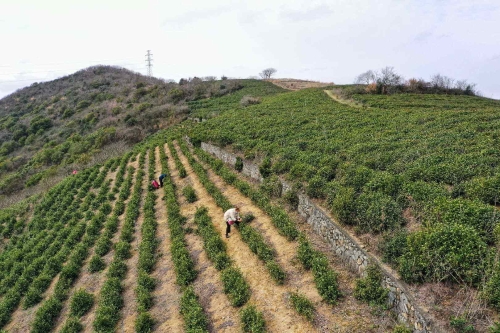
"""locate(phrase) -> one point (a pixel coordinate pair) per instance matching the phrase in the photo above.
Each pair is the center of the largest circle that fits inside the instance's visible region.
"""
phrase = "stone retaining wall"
(345, 246)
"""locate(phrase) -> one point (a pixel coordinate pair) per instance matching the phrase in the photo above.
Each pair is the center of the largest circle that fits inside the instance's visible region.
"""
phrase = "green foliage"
(46, 316)
(393, 246)
(252, 320)
(265, 167)
(212, 242)
(276, 271)
(491, 290)
(81, 302)
(190, 194)
(303, 306)
(235, 286)
(482, 217)
(401, 329)
(377, 212)
(72, 325)
(324, 278)
(144, 323)
(96, 264)
(195, 319)
(238, 166)
(444, 252)
(495, 328)
(461, 325)
(369, 289)
(272, 186)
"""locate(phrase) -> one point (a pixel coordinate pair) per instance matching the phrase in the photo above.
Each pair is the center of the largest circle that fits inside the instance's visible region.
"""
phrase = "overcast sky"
(316, 40)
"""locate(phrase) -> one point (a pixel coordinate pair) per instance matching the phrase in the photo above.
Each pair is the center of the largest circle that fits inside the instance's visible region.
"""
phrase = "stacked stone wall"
(343, 245)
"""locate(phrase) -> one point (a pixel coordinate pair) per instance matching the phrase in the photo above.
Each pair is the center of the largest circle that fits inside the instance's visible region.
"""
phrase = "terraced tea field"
(104, 252)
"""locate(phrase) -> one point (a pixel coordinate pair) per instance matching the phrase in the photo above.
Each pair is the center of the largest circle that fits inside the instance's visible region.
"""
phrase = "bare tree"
(367, 77)
(441, 81)
(388, 77)
(267, 73)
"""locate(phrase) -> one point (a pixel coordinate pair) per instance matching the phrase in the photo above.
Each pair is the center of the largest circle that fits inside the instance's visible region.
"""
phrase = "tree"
(267, 73)
(367, 77)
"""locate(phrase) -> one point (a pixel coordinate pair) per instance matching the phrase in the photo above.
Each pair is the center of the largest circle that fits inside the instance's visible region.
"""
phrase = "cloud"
(314, 13)
(193, 16)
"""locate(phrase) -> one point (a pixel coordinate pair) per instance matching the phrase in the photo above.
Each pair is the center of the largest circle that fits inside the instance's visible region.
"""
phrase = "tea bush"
(252, 320)
(235, 286)
(81, 302)
(190, 194)
(195, 319)
(302, 305)
(444, 252)
(369, 289)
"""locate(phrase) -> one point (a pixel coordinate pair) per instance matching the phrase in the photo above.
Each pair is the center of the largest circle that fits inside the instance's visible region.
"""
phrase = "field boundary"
(400, 300)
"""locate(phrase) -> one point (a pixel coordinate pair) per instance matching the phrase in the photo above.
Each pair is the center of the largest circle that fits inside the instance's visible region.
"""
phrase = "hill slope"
(415, 176)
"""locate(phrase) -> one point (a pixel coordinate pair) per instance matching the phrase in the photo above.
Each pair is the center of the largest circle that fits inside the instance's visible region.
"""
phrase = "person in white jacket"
(231, 216)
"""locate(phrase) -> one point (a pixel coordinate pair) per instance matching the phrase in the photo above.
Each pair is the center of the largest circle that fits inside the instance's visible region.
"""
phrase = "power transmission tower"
(149, 62)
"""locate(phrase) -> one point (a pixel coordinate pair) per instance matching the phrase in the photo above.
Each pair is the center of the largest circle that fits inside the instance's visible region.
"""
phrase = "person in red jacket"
(155, 184)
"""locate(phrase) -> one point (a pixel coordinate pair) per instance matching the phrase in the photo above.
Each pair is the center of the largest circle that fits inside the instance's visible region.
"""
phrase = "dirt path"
(167, 293)
(343, 317)
(269, 298)
(129, 311)
(208, 285)
(335, 95)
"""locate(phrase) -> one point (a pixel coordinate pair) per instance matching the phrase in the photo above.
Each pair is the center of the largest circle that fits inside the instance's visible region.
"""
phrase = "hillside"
(415, 178)
(49, 129)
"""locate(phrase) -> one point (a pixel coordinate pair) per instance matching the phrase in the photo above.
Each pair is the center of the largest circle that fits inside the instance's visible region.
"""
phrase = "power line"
(149, 64)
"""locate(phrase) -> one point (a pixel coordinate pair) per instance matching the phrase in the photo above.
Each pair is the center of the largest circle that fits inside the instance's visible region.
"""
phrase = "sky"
(328, 41)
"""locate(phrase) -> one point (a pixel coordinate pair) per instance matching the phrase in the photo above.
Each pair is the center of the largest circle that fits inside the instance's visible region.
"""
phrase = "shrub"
(343, 206)
(481, 216)
(190, 308)
(393, 246)
(249, 100)
(81, 302)
(303, 306)
(401, 329)
(72, 325)
(377, 212)
(265, 167)
(292, 198)
(325, 279)
(276, 272)
(235, 286)
(272, 186)
(492, 288)
(252, 320)
(190, 194)
(46, 316)
(444, 252)
(369, 289)
(238, 166)
(144, 323)
(96, 264)
(495, 328)
(461, 325)
(316, 187)
(247, 218)
(122, 250)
